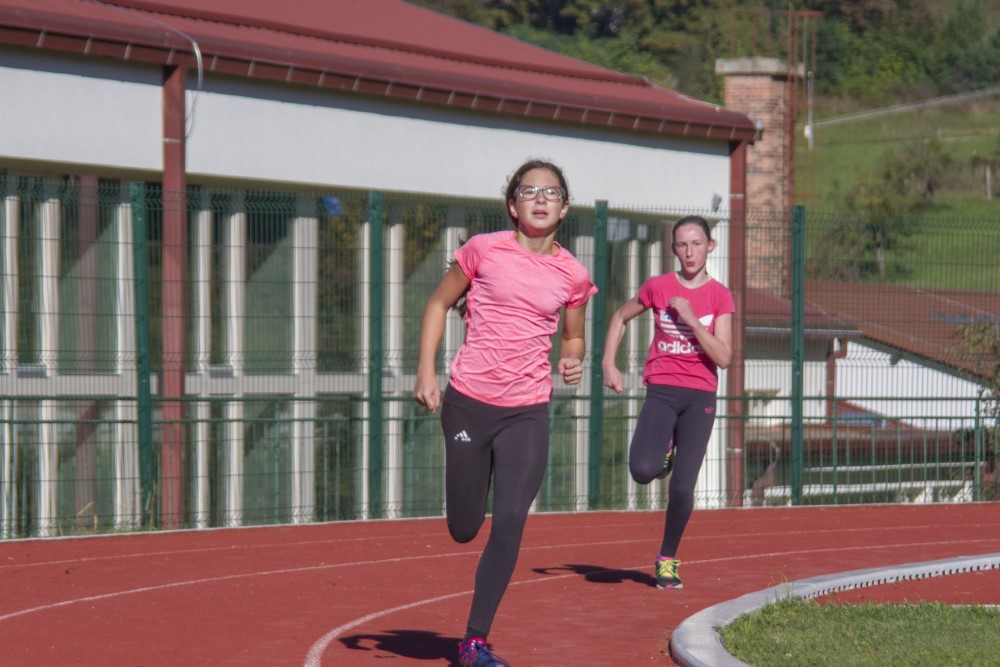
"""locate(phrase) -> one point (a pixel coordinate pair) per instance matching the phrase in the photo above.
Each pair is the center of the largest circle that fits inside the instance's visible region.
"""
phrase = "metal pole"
(598, 326)
(977, 449)
(736, 375)
(143, 396)
(376, 288)
(798, 347)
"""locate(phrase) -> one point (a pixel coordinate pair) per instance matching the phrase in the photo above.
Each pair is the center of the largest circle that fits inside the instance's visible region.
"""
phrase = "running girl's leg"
(694, 428)
(468, 460)
(520, 451)
(654, 427)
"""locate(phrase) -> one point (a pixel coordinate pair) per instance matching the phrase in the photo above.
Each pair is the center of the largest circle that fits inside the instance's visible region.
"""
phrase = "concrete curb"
(695, 642)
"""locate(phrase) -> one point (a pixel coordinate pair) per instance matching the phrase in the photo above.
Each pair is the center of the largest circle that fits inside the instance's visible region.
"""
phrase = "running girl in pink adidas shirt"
(692, 339)
(494, 412)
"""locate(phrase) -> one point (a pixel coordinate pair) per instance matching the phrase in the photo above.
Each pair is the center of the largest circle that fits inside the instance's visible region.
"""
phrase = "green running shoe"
(666, 573)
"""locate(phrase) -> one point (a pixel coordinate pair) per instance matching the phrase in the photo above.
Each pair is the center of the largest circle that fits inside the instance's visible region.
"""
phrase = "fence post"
(598, 325)
(144, 401)
(376, 286)
(798, 346)
(977, 448)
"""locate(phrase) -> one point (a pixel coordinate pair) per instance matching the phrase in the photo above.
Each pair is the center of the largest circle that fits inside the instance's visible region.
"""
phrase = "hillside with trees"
(873, 51)
(906, 103)
(927, 72)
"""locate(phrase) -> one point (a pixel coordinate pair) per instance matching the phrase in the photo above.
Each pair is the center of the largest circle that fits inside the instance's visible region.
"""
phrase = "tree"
(980, 345)
(875, 50)
(674, 43)
(884, 206)
(965, 54)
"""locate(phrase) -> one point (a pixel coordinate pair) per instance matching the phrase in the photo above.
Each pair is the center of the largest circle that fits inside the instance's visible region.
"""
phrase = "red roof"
(924, 322)
(372, 47)
(770, 313)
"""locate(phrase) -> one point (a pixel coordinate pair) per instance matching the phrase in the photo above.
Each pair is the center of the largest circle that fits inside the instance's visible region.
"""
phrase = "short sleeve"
(645, 295)
(726, 303)
(583, 289)
(469, 255)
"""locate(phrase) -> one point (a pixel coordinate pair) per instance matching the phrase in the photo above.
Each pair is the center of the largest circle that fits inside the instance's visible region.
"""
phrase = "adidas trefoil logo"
(462, 436)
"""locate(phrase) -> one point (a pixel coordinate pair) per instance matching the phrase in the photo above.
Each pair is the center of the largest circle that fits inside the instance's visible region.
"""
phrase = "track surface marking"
(397, 592)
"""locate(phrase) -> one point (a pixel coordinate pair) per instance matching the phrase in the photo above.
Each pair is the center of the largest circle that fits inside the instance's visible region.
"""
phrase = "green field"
(795, 632)
(957, 241)
(845, 152)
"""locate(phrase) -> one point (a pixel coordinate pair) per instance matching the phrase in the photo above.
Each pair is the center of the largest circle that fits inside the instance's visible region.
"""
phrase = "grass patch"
(844, 153)
(957, 241)
(795, 632)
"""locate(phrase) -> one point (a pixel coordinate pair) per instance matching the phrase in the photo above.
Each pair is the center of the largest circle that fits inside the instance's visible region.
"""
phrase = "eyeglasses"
(550, 192)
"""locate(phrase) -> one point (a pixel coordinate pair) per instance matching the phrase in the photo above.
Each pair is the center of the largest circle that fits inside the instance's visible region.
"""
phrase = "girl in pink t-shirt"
(494, 412)
(692, 339)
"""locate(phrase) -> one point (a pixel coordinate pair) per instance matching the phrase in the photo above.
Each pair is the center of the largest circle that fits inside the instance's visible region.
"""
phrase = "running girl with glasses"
(692, 339)
(494, 411)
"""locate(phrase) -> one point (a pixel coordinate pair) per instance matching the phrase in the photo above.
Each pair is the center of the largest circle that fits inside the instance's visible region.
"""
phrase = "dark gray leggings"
(513, 445)
(688, 415)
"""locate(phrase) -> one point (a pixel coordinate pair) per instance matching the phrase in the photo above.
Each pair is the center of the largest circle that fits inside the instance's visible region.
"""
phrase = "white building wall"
(107, 117)
(869, 373)
(773, 377)
(73, 112)
(110, 115)
(865, 377)
(321, 138)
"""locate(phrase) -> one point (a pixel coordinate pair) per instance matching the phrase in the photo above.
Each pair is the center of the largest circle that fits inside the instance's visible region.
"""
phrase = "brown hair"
(692, 220)
(515, 180)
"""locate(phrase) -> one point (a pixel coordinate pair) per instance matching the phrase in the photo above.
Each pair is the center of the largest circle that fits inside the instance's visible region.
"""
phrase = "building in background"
(260, 131)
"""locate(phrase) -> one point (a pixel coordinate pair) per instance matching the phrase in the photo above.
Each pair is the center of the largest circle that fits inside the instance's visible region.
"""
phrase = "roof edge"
(406, 85)
(165, 9)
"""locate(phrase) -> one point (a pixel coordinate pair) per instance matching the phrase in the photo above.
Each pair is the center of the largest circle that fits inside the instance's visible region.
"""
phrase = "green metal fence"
(260, 370)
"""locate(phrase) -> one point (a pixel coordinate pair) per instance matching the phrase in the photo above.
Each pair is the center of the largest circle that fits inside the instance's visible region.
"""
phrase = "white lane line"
(228, 577)
(369, 563)
(240, 547)
(315, 654)
(177, 552)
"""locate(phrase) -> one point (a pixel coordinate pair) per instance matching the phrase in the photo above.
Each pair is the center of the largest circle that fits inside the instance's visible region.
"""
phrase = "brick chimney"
(761, 88)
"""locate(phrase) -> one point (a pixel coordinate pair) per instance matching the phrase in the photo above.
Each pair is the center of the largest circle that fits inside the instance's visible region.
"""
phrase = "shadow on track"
(601, 575)
(415, 644)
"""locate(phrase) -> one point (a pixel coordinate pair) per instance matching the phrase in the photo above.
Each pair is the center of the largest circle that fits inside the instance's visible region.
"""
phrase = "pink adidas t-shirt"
(675, 356)
(513, 303)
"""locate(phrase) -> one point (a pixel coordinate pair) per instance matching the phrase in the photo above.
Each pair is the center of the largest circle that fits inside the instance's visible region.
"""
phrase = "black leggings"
(513, 445)
(688, 415)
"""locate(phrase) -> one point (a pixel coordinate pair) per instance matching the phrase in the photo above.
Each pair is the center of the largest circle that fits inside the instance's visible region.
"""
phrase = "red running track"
(397, 592)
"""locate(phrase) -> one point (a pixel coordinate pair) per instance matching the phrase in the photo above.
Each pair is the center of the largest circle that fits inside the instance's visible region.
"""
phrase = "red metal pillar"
(87, 349)
(174, 290)
(738, 285)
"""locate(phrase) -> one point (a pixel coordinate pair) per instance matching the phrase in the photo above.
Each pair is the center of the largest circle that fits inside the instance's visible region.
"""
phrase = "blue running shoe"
(475, 653)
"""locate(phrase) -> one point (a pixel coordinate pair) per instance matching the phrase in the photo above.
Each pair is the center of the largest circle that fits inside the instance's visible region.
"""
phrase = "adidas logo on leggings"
(462, 436)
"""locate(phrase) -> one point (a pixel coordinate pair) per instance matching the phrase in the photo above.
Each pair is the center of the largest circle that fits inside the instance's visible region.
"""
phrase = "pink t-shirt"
(513, 303)
(675, 356)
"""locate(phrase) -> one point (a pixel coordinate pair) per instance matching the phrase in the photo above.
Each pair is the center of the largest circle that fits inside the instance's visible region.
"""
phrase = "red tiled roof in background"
(375, 47)
(925, 322)
(767, 311)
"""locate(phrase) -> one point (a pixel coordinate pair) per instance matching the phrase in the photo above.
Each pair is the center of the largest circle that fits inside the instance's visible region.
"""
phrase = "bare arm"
(451, 288)
(616, 330)
(718, 347)
(573, 344)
